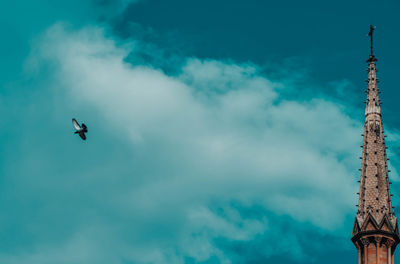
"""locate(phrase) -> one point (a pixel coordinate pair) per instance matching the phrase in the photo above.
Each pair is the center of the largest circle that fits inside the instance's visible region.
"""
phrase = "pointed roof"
(374, 205)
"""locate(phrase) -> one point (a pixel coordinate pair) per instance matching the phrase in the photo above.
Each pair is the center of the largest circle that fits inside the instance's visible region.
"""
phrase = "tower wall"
(376, 250)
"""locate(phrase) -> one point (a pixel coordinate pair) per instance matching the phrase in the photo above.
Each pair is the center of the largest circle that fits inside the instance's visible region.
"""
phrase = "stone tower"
(375, 231)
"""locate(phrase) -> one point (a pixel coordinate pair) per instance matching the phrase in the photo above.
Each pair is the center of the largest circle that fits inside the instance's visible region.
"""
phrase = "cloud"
(208, 165)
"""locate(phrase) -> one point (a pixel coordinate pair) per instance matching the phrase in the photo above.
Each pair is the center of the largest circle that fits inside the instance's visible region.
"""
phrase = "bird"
(81, 130)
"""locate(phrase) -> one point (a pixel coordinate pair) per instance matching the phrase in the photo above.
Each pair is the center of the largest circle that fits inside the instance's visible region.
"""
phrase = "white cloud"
(216, 134)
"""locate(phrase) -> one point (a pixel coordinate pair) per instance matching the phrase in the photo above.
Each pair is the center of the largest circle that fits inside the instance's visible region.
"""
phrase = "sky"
(219, 131)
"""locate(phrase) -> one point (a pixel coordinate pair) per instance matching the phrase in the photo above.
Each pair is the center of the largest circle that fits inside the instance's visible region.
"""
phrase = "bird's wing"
(84, 127)
(76, 124)
(82, 135)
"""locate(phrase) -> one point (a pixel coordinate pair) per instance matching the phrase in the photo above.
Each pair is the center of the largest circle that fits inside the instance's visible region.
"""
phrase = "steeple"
(375, 231)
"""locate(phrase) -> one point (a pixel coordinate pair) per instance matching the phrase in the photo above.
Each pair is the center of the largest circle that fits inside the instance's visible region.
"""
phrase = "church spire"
(375, 231)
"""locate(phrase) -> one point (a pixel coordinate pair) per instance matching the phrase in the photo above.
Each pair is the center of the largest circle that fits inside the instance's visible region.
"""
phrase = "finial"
(371, 35)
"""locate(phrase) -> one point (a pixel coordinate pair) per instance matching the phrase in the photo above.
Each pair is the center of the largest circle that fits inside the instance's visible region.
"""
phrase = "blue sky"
(219, 132)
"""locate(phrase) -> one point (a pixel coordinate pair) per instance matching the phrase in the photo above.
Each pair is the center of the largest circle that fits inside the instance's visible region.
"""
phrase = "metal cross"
(371, 34)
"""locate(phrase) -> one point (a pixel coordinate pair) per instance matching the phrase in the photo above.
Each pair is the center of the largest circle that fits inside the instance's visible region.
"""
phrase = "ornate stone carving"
(365, 241)
(375, 127)
(389, 243)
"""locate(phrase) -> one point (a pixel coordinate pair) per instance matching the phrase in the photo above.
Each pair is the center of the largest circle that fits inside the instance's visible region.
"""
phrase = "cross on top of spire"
(371, 35)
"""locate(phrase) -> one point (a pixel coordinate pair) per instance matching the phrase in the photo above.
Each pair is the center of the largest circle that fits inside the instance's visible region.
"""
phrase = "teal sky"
(219, 131)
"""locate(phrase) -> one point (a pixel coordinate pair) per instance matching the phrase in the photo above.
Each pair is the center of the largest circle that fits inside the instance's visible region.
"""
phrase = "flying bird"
(81, 130)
